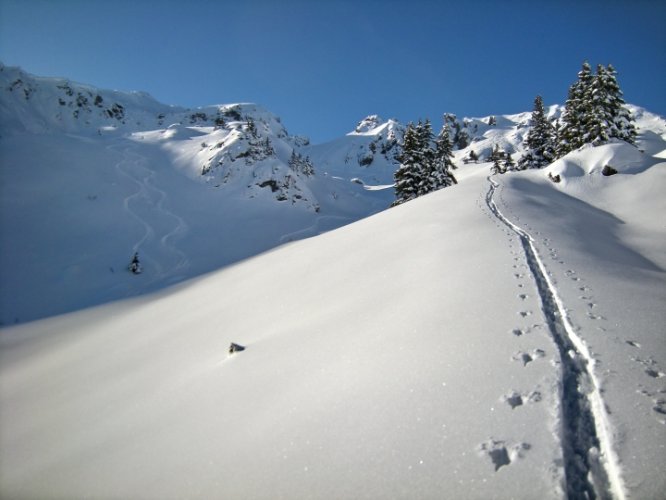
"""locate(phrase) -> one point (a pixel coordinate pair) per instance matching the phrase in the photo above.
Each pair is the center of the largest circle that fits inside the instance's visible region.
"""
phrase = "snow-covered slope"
(90, 176)
(434, 360)
(501, 338)
(368, 154)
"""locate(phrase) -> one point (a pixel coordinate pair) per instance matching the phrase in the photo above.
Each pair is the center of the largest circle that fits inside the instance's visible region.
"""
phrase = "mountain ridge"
(190, 190)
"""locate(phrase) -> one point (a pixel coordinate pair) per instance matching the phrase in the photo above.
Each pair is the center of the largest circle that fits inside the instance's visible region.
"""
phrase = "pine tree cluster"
(300, 164)
(594, 113)
(502, 161)
(425, 162)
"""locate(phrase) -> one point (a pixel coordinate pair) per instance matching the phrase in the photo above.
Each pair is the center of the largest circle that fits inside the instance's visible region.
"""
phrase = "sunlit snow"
(421, 352)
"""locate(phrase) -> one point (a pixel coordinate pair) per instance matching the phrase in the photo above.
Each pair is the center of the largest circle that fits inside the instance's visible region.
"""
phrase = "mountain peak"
(368, 125)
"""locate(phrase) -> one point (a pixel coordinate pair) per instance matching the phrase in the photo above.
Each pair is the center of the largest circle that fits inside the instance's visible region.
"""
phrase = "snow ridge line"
(591, 466)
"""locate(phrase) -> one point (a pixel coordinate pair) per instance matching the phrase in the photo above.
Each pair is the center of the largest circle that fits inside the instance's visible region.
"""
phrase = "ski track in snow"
(133, 166)
(590, 464)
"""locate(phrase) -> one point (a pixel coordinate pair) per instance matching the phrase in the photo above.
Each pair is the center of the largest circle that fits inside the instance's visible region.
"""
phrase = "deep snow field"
(433, 350)
(89, 177)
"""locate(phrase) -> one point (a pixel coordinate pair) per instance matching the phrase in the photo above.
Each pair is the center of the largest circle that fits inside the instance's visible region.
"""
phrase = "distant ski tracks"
(146, 206)
(590, 465)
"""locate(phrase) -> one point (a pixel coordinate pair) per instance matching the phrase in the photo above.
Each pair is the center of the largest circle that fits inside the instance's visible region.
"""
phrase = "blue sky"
(322, 65)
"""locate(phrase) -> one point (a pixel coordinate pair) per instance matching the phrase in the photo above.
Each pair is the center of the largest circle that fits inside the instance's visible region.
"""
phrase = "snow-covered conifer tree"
(496, 154)
(496, 157)
(471, 157)
(623, 124)
(607, 117)
(570, 134)
(423, 169)
(135, 265)
(443, 161)
(540, 142)
(301, 165)
(594, 112)
(426, 157)
(409, 174)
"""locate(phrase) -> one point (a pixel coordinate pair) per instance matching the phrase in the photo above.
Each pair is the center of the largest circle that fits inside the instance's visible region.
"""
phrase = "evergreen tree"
(301, 165)
(308, 167)
(623, 126)
(496, 157)
(607, 117)
(423, 169)
(135, 265)
(540, 142)
(427, 157)
(496, 154)
(471, 157)
(408, 176)
(293, 160)
(594, 112)
(497, 167)
(570, 134)
(251, 127)
(443, 161)
(509, 164)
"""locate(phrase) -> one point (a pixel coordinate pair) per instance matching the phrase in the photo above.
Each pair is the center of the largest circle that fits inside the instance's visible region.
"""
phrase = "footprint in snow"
(659, 403)
(518, 332)
(523, 296)
(654, 373)
(515, 398)
(651, 368)
(500, 453)
(633, 343)
(524, 314)
(528, 357)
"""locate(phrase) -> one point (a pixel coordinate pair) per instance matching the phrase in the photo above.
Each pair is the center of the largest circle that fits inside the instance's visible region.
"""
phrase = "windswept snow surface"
(408, 355)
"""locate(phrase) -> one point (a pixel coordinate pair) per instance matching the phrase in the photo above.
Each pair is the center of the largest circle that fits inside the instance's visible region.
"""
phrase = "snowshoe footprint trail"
(591, 469)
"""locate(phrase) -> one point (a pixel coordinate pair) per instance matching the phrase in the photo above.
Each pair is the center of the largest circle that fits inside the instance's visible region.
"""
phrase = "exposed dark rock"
(235, 348)
(608, 171)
